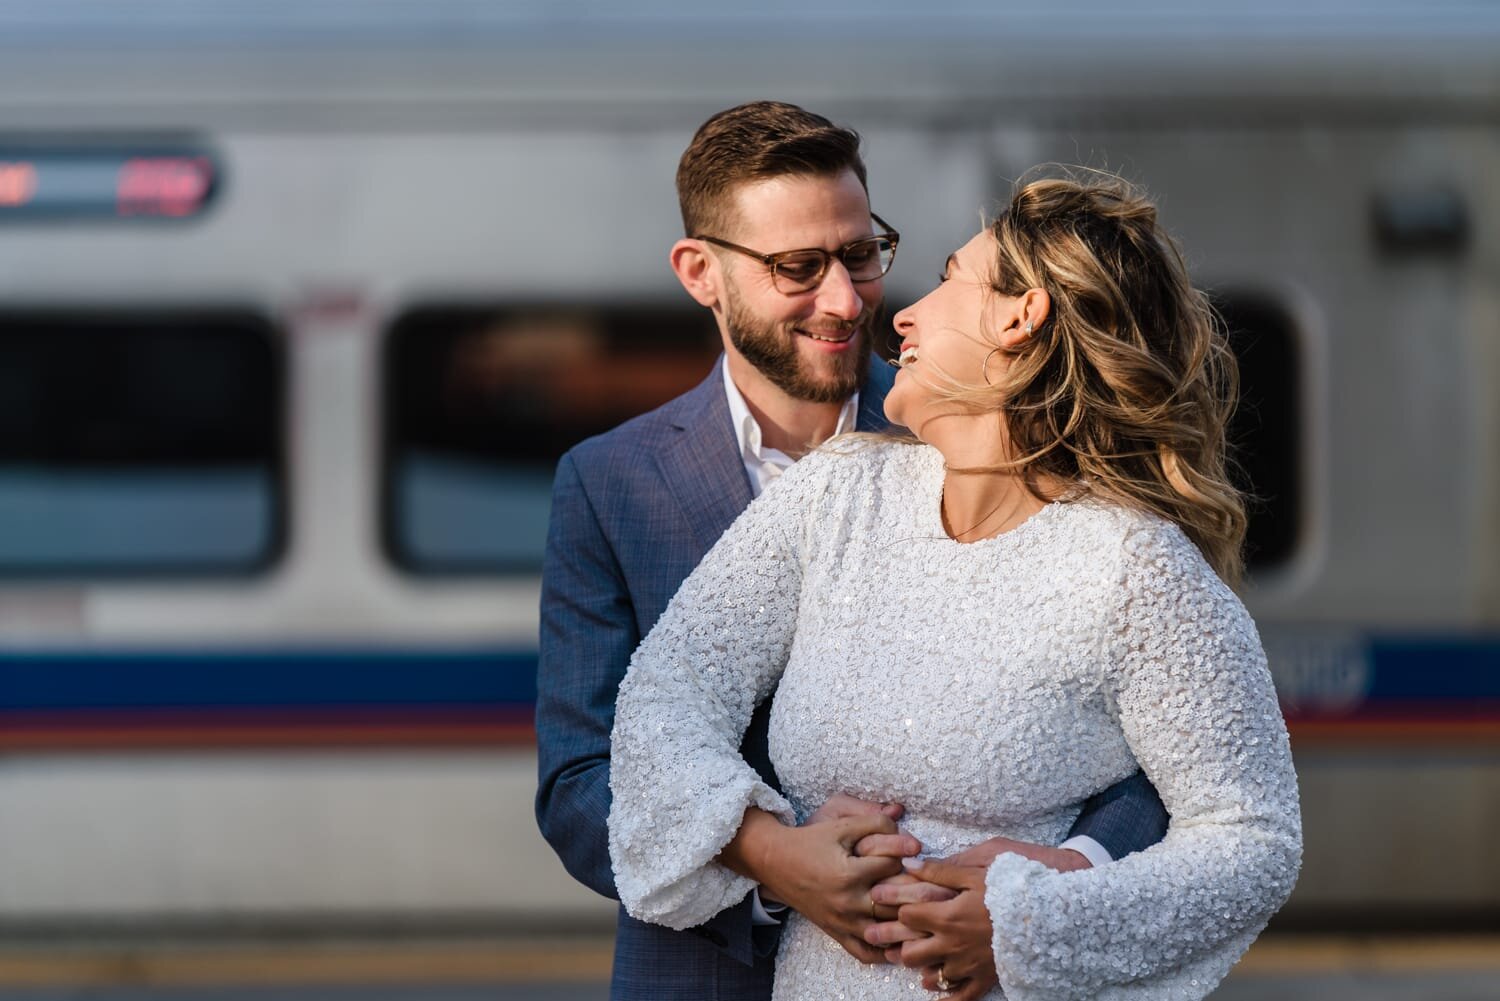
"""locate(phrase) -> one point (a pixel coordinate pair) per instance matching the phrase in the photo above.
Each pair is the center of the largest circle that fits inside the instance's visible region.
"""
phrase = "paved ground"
(1278, 968)
(1362, 987)
(411, 992)
(1342, 987)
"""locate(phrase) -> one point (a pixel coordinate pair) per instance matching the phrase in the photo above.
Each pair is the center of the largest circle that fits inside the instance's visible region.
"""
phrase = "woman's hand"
(898, 891)
(890, 895)
(946, 930)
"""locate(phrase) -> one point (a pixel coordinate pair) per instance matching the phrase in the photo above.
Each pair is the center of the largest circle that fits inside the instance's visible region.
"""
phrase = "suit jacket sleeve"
(588, 631)
(1125, 818)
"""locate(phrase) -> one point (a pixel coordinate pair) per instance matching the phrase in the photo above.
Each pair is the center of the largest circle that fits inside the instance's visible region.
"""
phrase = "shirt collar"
(747, 429)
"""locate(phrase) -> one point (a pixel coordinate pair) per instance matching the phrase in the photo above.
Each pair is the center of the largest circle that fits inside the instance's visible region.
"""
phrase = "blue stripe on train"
(1379, 673)
(1433, 668)
(266, 678)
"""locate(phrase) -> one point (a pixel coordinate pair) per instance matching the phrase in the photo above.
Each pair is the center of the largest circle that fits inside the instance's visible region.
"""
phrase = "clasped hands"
(854, 874)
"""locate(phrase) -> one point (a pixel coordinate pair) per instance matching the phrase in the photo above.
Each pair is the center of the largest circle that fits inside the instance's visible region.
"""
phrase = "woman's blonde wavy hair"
(1127, 387)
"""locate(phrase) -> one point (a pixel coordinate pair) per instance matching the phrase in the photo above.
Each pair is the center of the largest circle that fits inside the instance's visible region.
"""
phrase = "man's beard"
(772, 348)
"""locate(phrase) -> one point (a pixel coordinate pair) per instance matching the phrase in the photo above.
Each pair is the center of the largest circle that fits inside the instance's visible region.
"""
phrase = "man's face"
(814, 345)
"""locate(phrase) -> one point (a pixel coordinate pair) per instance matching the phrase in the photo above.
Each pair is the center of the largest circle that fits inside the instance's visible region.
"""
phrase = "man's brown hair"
(754, 142)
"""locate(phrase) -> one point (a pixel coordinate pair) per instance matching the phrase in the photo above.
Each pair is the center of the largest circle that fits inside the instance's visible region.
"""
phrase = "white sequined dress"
(990, 687)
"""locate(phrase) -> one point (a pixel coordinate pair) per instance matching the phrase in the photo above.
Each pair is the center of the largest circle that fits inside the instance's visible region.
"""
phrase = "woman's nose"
(904, 320)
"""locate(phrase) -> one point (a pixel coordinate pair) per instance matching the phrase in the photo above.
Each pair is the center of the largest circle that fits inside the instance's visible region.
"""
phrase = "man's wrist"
(1092, 852)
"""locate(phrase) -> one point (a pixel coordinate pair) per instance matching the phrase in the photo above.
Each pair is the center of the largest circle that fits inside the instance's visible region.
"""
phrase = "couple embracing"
(838, 712)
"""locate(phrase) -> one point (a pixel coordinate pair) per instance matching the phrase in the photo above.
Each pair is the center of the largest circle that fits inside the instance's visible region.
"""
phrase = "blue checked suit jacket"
(633, 512)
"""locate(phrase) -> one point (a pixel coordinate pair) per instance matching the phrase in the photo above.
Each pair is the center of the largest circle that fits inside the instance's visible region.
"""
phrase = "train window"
(481, 402)
(138, 442)
(1266, 432)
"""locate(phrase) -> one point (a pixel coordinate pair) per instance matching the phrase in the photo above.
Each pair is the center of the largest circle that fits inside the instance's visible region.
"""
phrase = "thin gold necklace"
(957, 536)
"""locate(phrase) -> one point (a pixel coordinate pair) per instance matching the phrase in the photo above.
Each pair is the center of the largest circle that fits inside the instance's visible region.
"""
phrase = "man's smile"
(829, 336)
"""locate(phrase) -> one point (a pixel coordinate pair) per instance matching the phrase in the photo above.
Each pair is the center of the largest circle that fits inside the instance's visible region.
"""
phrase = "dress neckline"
(932, 512)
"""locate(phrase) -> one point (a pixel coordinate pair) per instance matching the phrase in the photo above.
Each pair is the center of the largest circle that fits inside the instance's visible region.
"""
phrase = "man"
(782, 246)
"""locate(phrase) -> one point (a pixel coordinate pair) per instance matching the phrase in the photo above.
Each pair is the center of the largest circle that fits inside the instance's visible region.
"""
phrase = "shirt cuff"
(765, 914)
(1089, 849)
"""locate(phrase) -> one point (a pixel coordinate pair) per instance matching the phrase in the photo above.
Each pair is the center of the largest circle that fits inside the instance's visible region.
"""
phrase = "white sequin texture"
(991, 688)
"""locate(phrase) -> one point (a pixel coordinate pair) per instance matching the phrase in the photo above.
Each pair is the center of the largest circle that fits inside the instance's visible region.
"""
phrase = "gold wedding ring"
(944, 984)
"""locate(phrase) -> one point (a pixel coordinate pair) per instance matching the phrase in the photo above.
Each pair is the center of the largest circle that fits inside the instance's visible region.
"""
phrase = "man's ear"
(696, 268)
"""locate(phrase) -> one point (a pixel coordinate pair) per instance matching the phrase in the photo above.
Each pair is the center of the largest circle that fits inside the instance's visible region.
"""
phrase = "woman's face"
(942, 338)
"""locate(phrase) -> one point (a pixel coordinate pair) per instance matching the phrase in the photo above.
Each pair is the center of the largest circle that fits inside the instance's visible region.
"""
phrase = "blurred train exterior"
(273, 491)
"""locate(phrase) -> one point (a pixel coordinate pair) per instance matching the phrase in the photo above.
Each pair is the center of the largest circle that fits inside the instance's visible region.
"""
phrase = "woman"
(1038, 575)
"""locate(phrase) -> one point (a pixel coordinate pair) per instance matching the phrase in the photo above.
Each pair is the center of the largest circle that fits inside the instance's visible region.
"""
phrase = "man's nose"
(838, 295)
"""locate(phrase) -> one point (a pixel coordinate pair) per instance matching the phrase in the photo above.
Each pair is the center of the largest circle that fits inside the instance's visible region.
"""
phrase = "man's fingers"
(956, 877)
(902, 878)
(842, 805)
(852, 829)
(869, 871)
(838, 807)
(889, 845)
(888, 933)
(899, 894)
(983, 853)
(893, 955)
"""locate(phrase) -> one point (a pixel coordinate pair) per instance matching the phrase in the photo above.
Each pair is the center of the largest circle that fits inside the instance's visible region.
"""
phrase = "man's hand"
(841, 805)
(982, 854)
(814, 869)
(951, 938)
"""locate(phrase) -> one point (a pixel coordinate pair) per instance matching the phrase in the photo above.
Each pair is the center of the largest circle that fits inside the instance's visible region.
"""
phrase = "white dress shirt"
(762, 463)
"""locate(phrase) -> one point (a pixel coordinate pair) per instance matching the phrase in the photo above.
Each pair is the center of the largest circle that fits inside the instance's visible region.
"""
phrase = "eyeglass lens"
(865, 260)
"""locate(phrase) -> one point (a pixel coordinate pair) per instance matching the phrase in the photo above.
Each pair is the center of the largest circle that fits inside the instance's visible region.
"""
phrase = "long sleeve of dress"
(680, 786)
(1187, 676)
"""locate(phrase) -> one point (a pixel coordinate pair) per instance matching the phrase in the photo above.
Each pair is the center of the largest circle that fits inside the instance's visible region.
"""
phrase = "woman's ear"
(1032, 308)
(697, 270)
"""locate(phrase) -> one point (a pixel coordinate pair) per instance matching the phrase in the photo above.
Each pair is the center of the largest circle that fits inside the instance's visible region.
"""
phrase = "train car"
(299, 303)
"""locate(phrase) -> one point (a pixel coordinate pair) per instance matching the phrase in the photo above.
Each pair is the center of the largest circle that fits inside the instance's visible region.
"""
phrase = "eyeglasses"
(794, 271)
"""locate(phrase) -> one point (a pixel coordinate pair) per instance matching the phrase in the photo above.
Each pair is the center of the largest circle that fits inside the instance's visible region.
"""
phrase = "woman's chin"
(895, 409)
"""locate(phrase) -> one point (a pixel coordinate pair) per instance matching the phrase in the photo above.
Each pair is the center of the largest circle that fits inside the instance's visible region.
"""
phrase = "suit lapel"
(702, 465)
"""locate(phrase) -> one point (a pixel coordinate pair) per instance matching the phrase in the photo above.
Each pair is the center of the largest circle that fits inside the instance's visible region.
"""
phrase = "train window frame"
(395, 547)
(253, 321)
(1294, 410)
